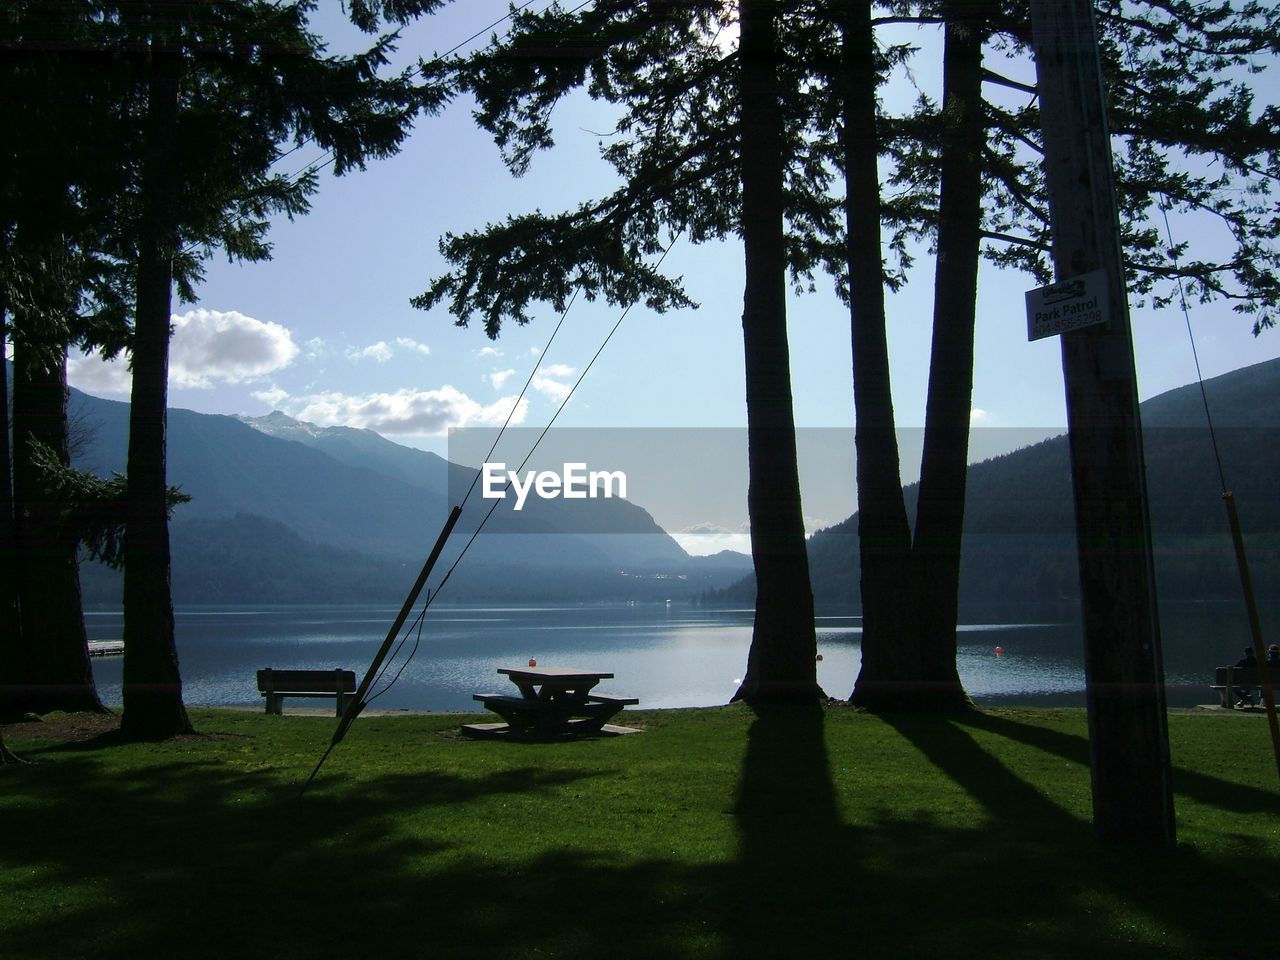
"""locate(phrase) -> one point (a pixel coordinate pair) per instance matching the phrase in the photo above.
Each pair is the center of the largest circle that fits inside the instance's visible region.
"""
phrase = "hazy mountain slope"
(362, 448)
(618, 529)
(229, 468)
(292, 513)
(1019, 530)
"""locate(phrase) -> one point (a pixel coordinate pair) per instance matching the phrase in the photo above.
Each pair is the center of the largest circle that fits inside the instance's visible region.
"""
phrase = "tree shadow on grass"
(1238, 798)
(901, 883)
(196, 860)
(1025, 880)
(1158, 887)
(200, 858)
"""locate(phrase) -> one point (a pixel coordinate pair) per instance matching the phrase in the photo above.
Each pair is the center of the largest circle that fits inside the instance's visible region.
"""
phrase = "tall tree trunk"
(780, 664)
(153, 707)
(944, 465)
(10, 624)
(889, 652)
(51, 670)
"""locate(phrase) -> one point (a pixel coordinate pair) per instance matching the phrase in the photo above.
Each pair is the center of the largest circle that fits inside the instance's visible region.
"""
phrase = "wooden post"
(1124, 669)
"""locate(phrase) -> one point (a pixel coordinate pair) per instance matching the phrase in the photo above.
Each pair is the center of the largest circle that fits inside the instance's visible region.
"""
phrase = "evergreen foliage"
(90, 508)
(1191, 137)
(708, 144)
(146, 136)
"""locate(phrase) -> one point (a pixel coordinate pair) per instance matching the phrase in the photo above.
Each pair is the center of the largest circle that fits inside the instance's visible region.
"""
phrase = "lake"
(667, 655)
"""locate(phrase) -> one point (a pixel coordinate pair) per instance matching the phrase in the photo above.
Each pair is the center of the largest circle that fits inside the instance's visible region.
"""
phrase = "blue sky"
(324, 330)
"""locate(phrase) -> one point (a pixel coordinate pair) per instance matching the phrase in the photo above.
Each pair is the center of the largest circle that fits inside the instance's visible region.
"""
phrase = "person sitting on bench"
(1246, 669)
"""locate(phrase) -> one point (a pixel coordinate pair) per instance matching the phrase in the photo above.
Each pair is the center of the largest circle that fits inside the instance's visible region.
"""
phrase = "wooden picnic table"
(553, 703)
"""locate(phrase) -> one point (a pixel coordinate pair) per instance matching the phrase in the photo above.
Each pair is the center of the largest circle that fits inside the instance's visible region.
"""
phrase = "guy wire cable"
(550, 423)
(462, 506)
(1195, 355)
(1237, 535)
(432, 595)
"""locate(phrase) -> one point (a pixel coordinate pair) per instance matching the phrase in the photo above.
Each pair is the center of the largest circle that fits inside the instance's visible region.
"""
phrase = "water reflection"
(667, 656)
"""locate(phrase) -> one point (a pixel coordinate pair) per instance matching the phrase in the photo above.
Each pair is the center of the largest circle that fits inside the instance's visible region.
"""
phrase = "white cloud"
(486, 352)
(316, 348)
(498, 378)
(419, 412)
(380, 351)
(813, 524)
(406, 343)
(545, 382)
(980, 418)
(96, 376)
(271, 397)
(210, 346)
(535, 351)
(552, 389)
(703, 539)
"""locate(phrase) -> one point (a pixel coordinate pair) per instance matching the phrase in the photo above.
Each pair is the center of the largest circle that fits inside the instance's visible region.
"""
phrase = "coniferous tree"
(55, 289)
(780, 662)
(884, 536)
(965, 173)
(222, 89)
(699, 158)
(51, 671)
(187, 106)
(1164, 61)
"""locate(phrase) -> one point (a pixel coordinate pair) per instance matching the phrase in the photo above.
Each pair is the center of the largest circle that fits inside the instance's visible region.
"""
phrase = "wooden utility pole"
(1124, 668)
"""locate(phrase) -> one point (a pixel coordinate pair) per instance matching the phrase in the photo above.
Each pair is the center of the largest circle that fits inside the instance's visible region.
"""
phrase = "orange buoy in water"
(999, 651)
(533, 662)
(819, 657)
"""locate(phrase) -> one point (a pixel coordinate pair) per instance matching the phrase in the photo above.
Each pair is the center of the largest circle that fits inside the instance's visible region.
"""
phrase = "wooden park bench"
(1232, 683)
(275, 685)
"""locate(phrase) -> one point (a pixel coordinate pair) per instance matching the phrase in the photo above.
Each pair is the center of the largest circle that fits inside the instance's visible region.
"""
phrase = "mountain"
(623, 532)
(363, 448)
(284, 511)
(1019, 543)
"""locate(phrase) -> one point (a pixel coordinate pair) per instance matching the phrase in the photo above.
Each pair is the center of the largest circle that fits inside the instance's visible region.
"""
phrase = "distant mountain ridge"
(276, 496)
(1019, 541)
(361, 448)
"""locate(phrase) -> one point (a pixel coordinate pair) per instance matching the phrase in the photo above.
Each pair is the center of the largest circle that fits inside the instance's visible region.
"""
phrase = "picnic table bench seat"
(595, 710)
(531, 704)
(275, 685)
(610, 698)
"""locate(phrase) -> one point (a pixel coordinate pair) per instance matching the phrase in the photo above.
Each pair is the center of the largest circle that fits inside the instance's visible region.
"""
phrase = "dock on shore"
(106, 648)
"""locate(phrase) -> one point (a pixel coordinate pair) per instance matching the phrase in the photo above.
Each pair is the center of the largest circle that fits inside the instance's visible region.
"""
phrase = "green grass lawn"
(716, 833)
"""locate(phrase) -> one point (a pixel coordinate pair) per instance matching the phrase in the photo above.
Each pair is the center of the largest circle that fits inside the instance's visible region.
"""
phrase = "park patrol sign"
(1067, 305)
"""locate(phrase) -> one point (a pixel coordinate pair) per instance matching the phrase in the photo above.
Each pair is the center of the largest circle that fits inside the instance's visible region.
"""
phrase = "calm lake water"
(668, 656)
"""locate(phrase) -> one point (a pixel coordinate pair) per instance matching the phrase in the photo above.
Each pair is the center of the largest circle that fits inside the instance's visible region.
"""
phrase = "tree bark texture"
(939, 529)
(781, 662)
(910, 582)
(152, 694)
(884, 536)
(49, 668)
(1124, 665)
